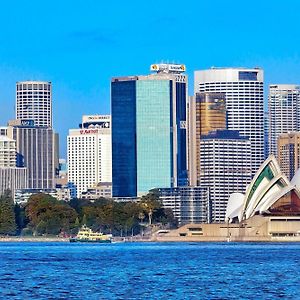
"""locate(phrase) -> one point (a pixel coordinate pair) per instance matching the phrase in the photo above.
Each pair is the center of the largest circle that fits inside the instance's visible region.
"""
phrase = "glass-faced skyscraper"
(149, 131)
(207, 112)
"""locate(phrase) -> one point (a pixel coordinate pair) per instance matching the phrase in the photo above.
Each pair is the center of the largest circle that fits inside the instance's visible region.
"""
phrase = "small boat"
(86, 235)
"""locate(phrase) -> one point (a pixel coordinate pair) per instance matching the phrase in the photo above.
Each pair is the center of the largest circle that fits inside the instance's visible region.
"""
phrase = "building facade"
(289, 153)
(7, 152)
(34, 103)
(207, 112)
(3, 130)
(188, 204)
(284, 112)
(89, 155)
(149, 136)
(34, 147)
(225, 168)
(266, 134)
(100, 190)
(11, 177)
(243, 89)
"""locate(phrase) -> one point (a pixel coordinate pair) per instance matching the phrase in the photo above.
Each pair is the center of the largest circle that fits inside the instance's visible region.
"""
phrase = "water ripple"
(149, 271)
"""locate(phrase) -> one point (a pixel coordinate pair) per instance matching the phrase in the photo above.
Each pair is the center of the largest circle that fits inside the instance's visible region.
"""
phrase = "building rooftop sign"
(168, 68)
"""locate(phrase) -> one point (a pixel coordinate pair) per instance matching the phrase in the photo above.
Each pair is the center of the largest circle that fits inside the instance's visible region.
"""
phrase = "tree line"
(45, 215)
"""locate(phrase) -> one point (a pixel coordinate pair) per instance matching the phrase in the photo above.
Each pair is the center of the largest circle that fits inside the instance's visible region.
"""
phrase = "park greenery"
(44, 215)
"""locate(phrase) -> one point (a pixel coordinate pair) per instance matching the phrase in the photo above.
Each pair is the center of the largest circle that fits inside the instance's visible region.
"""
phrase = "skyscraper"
(243, 89)
(225, 168)
(34, 103)
(284, 112)
(89, 154)
(37, 144)
(289, 153)
(35, 152)
(207, 112)
(149, 131)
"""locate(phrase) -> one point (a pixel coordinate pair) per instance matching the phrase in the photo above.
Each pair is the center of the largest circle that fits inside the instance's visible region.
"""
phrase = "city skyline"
(80, 52)
(149, 149)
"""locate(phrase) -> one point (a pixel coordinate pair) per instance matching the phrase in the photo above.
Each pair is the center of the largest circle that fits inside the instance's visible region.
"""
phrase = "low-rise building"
(188, 204)
(101, 190)
(12, 178)
(22, 195)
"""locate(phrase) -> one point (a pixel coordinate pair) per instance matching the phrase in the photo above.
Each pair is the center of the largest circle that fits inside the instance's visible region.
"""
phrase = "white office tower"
(34, 103)
(243, 89)
(11, 177)
(89, 154)
(284, 108)
(225, 168)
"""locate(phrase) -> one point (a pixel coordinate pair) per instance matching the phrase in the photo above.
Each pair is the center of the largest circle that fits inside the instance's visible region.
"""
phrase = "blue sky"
(80, 45)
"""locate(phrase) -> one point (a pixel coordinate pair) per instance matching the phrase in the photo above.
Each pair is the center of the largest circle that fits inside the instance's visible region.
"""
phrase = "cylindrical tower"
(34, 102)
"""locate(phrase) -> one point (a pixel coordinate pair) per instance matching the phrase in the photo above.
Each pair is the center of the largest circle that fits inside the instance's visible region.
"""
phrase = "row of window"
(34, 86)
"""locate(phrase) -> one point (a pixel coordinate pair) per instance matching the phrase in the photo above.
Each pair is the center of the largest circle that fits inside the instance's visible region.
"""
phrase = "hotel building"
(89, 154)
(149, 138)
(243, 89)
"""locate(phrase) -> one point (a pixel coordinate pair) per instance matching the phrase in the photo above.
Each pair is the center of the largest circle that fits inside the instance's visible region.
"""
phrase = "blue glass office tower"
(148, 132)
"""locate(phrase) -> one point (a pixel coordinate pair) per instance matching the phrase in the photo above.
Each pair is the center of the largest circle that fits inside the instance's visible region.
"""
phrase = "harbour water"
(150, 271)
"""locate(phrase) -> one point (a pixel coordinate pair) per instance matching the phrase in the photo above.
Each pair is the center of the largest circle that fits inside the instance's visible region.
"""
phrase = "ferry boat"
(86, 234)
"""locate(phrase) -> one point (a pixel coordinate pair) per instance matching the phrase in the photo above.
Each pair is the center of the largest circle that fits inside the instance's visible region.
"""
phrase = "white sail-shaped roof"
(274, 186)
(267, 171)
(234, 206)
(264, 206)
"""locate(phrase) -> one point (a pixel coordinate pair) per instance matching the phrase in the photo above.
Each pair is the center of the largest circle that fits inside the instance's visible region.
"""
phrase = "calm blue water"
(149, 271)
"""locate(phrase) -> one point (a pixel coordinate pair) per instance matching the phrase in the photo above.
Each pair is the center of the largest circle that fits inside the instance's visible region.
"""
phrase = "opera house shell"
(269, 194)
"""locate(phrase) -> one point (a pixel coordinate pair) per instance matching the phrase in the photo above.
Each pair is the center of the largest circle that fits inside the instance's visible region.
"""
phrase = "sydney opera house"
(269, 194)
(268, 211)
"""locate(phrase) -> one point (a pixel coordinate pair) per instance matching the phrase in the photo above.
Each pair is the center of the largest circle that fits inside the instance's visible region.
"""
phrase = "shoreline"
(157, 240)
(32, 239)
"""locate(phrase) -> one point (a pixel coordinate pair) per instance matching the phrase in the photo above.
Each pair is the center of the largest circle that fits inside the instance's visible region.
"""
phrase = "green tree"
(150, 203)
(7, 214)
(49, 216)
(21, 219)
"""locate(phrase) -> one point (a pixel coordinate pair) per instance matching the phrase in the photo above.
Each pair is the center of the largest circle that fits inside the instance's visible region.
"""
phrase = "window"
(248, 76)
